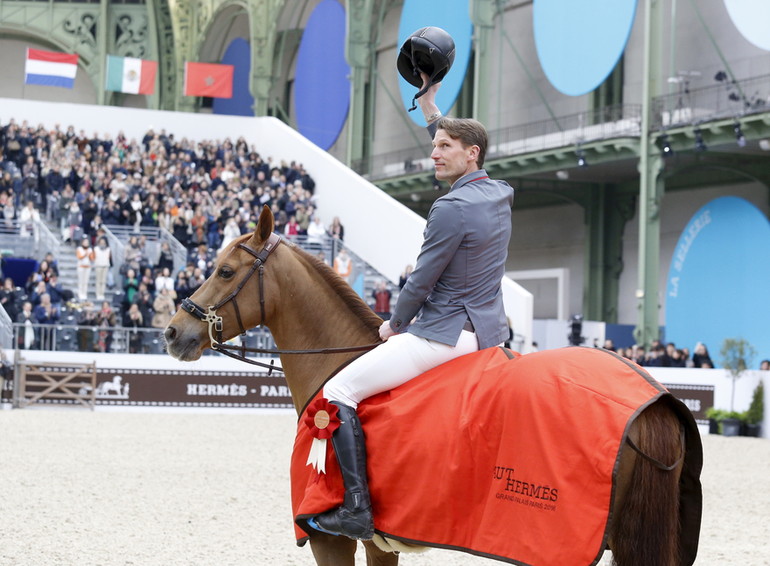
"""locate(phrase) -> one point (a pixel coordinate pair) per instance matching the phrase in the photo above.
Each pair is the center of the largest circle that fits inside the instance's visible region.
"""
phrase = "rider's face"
(451, 159)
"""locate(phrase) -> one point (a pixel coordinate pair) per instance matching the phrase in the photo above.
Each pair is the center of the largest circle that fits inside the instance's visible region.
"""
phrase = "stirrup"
(340, 523)
(312, 523)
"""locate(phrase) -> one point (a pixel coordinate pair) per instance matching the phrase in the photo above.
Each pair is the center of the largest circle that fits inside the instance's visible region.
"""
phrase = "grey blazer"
(458, 273)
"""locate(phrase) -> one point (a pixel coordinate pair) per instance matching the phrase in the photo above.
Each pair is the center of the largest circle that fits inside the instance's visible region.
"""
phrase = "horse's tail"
(647, 529)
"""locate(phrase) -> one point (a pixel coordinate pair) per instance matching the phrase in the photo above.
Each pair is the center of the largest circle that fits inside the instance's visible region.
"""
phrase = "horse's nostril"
(170, 334)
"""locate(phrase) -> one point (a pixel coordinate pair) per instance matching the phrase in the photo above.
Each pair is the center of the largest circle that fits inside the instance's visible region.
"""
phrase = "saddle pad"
(497, 454)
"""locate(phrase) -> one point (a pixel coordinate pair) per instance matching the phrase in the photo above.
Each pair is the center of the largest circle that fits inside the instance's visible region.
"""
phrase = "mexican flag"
(127, 74)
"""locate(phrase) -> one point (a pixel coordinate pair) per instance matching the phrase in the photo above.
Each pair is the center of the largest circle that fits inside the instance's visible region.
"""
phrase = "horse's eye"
(226, 272)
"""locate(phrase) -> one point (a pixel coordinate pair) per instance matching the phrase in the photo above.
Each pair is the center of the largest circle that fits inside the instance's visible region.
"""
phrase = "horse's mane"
(351, 299)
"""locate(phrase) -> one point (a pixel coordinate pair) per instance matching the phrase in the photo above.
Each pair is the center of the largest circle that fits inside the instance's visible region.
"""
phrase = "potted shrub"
(732, 423)
(715, 417)
(737, 356)
(756, 413)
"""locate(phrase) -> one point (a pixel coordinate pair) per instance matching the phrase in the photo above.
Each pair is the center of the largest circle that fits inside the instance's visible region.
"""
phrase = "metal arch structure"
(148, 30)
(169, 32)
(625, 172)
(187, 30)
(273, 36)
(55, 42)
(359, 52)
(162, 17)
(89, 29)
(182, 30)
(212, 26)
(212, 17)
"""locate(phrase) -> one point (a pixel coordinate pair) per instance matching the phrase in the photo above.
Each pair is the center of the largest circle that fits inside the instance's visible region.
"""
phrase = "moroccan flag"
(50, 68)
(208, 79)
(131, 75)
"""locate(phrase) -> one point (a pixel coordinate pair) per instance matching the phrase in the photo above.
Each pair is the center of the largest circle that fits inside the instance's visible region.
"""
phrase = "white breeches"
(401, 358)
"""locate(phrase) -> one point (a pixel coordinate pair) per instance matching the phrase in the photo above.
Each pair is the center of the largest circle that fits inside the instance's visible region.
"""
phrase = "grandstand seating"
(69, 333)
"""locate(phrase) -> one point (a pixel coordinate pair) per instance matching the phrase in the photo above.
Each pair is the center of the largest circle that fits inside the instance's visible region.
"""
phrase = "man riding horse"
(454, 290)
(630, 483)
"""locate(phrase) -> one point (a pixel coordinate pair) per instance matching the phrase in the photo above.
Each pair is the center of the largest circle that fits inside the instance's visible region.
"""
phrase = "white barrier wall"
(144, 382)
(377, 227)
(722, 383)
(161, 362)
(195, 384)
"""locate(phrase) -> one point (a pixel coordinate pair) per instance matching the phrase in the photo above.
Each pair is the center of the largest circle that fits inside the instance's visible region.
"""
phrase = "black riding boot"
(354, 519)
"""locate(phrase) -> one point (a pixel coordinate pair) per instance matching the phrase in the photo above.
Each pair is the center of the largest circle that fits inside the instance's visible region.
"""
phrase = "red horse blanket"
(500, 455)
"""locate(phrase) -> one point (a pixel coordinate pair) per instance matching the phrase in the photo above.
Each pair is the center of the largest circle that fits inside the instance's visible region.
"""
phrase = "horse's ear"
(265, 224)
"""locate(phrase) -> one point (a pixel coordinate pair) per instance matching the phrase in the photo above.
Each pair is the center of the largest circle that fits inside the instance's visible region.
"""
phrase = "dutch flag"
(50, 69)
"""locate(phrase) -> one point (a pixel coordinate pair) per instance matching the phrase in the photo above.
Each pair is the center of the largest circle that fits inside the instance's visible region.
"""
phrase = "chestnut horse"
(260, 279)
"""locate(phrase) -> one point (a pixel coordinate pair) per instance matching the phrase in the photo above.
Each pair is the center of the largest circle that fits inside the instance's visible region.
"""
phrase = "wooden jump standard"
(43, 381)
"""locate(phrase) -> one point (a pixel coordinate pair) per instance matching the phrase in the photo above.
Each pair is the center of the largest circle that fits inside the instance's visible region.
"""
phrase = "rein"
(657, 463)
(224, 349)
(214, 321)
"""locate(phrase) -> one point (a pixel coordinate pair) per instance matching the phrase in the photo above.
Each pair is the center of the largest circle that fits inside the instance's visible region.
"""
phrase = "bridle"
(214, 321)
(211, 317)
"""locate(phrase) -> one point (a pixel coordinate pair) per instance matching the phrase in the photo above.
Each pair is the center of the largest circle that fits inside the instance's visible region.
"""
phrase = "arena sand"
(158, 488)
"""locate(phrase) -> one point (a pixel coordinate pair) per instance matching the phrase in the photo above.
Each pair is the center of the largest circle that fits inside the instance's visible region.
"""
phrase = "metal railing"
(119, 235)
(6, 330)
(67, 335)
(177, 249)
(725, 99)
(123, 233)
(330, 247)
(623, 120)
(112, 339)
(28, 239)
(117, 250)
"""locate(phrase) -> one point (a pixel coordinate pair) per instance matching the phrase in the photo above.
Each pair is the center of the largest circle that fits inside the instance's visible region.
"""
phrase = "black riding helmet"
(430, 50)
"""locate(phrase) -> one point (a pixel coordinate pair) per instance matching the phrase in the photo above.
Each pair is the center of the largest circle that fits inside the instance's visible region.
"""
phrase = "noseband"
(210, 316)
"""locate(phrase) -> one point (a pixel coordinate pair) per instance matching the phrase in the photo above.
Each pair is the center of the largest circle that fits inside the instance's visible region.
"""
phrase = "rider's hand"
(427, 101)
(431, 92)
(386, 331)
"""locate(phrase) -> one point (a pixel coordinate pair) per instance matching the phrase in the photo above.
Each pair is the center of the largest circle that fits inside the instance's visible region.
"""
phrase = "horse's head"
(231, 300)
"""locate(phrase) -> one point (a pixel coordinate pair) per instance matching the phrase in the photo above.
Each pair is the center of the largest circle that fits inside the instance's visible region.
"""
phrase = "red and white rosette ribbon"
(322, 420)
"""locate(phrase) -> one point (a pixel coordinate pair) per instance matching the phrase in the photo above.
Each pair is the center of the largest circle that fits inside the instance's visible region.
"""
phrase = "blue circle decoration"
(751, 17)
(238, 55)
(579, 43)
(718, 278)
(453, 16)
(321, 84)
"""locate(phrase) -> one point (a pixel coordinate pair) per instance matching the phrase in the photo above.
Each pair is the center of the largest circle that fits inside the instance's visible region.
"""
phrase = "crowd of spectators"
(664, 355)
(205, 193)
